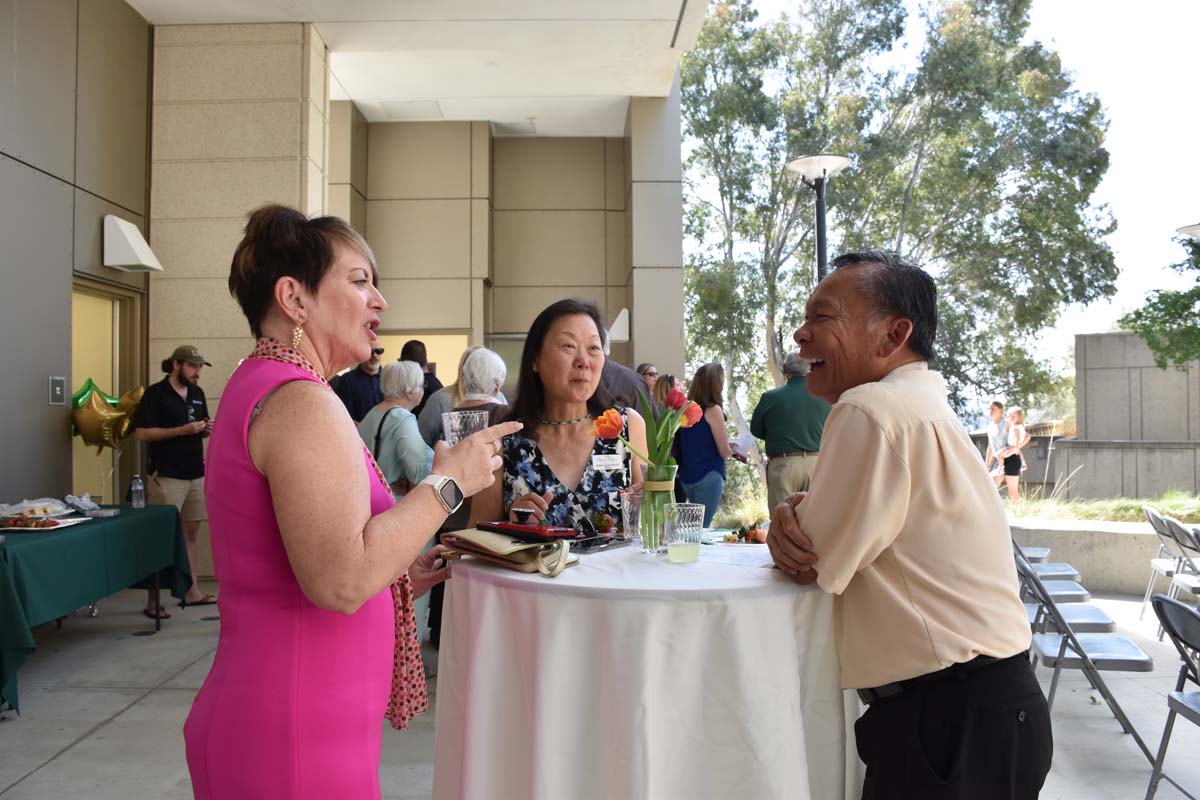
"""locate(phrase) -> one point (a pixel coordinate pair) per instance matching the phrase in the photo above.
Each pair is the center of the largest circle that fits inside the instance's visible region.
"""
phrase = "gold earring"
(297, 334)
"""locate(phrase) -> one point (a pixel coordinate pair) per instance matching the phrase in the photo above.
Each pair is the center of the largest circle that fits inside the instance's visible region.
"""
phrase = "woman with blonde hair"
(1011, 456)
(318, 564)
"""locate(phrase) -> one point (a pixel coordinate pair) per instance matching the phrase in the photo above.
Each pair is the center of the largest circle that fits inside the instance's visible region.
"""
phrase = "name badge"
(607, 462)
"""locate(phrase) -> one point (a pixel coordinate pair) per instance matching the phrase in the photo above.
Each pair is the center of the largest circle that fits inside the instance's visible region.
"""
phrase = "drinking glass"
(684, 524)
(631, 515)
(458, 425)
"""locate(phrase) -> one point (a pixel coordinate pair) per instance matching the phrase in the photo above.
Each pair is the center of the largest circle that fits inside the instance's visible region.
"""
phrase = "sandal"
(205, 600)
(162, 613)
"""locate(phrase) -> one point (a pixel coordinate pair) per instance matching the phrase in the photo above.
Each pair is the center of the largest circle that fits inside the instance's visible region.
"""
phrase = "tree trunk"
(774, 357)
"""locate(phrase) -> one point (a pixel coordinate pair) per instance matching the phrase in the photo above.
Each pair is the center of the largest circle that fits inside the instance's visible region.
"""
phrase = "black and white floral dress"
(526, 471)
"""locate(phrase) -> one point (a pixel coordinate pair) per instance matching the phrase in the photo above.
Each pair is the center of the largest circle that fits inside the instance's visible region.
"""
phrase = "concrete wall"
(240, 117)
(428, 212)
(559, 229)
(1110, 556)
(1127, 469)
(1121, 395)
(73, 105)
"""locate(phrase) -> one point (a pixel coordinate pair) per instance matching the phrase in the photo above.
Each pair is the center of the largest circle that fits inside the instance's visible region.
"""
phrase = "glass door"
(95, 354)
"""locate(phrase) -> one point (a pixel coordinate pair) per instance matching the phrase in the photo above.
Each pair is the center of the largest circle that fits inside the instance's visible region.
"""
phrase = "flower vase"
(658, 490)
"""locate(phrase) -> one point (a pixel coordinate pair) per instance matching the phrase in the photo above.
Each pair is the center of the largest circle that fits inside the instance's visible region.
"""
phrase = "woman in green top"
(390, 429)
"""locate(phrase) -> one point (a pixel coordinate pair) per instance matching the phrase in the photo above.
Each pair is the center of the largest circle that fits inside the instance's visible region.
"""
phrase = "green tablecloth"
(47, 574)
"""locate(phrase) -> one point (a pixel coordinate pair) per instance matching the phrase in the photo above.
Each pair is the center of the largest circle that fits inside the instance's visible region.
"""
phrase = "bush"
(744, 501)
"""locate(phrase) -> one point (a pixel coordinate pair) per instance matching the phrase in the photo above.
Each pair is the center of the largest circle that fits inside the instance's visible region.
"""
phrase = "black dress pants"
(980, 734)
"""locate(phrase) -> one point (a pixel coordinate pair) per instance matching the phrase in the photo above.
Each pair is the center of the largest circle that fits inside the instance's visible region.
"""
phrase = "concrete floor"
(103, 709)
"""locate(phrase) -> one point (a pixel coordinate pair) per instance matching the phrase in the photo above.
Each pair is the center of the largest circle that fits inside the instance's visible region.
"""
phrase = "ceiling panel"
(181, 12)
(498, 35)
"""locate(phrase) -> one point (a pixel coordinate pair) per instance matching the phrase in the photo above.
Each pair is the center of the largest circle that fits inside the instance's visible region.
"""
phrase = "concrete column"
(240, 117)
(347, 173)
(656, 230)
(481, 230)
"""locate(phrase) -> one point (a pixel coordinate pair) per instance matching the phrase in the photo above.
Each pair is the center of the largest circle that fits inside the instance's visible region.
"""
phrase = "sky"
(1143, 61)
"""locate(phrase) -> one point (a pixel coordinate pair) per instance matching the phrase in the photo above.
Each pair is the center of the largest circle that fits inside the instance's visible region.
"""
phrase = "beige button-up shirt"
(910, 535)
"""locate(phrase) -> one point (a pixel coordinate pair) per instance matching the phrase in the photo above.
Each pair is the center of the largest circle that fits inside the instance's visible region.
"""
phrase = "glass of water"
(458, 425)
(684, 524)
(631, 515)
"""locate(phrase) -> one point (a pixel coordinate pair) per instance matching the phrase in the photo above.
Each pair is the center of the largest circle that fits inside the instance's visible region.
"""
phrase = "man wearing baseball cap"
(173, 421)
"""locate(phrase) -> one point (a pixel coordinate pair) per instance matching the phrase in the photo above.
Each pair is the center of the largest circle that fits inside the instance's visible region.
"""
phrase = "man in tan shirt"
(902, 524)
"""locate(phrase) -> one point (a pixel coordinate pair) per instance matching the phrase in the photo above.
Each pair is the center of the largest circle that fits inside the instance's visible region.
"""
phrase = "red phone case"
(528, 531)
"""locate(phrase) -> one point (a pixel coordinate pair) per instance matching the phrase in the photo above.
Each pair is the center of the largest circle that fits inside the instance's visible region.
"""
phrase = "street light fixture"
(1190, 231)
(815, 171)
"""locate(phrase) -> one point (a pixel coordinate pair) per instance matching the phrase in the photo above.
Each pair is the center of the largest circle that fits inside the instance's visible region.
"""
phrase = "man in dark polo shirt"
(173, 421)
(790, 421)
(414, 350)
(359, 388)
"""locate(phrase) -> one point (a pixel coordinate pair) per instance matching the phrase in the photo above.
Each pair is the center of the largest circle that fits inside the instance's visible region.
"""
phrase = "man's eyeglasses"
(378, 351)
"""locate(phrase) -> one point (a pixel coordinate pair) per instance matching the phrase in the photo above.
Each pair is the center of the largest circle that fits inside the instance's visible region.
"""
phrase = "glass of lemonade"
(684, 524)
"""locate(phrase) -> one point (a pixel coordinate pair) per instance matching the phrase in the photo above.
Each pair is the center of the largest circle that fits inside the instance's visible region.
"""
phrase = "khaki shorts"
(187, 496)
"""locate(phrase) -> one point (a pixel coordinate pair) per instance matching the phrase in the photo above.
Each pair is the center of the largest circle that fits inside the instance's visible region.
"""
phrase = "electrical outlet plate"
(58, 390)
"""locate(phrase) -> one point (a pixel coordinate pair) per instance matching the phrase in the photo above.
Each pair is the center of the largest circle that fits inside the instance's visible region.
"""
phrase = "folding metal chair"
(1065, 590)
(1166, 561)
(1090, 653)
(1055, 571)
(1182, 624)
(1036, 555)
(1187, 576)
(1082, 617)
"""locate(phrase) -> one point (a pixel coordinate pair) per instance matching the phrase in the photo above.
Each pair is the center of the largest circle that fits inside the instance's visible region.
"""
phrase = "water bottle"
(137, 492)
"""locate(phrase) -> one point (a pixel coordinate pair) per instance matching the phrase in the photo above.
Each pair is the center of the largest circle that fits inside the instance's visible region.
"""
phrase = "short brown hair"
(280, 242)
(708, 385)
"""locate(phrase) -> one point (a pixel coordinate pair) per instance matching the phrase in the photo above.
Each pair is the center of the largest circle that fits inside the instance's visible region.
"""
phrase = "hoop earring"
(297, 335)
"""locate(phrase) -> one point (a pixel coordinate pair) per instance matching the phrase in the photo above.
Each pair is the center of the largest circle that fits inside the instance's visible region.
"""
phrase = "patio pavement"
(103, 710)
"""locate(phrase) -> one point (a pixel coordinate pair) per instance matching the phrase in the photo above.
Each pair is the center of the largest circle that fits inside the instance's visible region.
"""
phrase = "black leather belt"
(890, 691)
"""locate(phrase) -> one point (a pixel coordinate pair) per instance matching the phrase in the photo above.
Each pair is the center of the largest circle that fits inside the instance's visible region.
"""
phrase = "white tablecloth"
(631, 677)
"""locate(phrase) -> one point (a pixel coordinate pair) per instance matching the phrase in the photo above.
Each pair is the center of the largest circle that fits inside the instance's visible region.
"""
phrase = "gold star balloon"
(97, 421)
(128, 405)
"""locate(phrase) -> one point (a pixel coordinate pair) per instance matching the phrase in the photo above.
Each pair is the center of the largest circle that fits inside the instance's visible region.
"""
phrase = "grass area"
(1181, 505)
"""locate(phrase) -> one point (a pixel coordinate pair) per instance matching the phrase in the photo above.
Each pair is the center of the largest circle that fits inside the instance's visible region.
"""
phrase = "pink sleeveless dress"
(294, 704)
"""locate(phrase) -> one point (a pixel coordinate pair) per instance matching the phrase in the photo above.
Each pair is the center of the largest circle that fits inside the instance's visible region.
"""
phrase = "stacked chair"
(1067, 634)
(1182, 624)
(1166, 562)
(1186, 579)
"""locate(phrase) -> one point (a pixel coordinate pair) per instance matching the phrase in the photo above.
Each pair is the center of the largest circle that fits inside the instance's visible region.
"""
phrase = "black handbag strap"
(379, 430)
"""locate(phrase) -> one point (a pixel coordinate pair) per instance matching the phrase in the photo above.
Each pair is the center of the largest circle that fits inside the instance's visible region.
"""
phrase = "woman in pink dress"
(317, 567)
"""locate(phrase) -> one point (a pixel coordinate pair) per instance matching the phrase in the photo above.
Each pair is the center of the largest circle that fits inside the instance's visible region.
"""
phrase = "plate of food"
(39, 523)
(43, 508)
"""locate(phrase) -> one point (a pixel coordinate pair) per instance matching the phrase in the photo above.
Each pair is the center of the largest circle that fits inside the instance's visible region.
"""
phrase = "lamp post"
(1190, 231)
(815, 171)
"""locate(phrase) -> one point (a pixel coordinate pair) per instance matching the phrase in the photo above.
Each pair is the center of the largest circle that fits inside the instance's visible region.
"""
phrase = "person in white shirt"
(904, 526)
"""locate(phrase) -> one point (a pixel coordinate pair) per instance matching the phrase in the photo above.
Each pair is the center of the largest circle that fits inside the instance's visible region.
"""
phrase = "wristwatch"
(446, 490)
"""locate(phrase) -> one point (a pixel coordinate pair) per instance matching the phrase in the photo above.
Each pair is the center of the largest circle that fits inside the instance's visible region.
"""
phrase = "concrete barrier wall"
(1110, 556)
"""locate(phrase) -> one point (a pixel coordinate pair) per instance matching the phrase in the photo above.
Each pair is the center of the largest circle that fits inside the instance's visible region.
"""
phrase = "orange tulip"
(608, 425)
(691, 415)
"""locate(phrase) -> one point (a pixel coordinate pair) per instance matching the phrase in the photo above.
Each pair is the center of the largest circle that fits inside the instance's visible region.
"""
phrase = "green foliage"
(1182, 506)
(1170, 321)
(975, 157)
